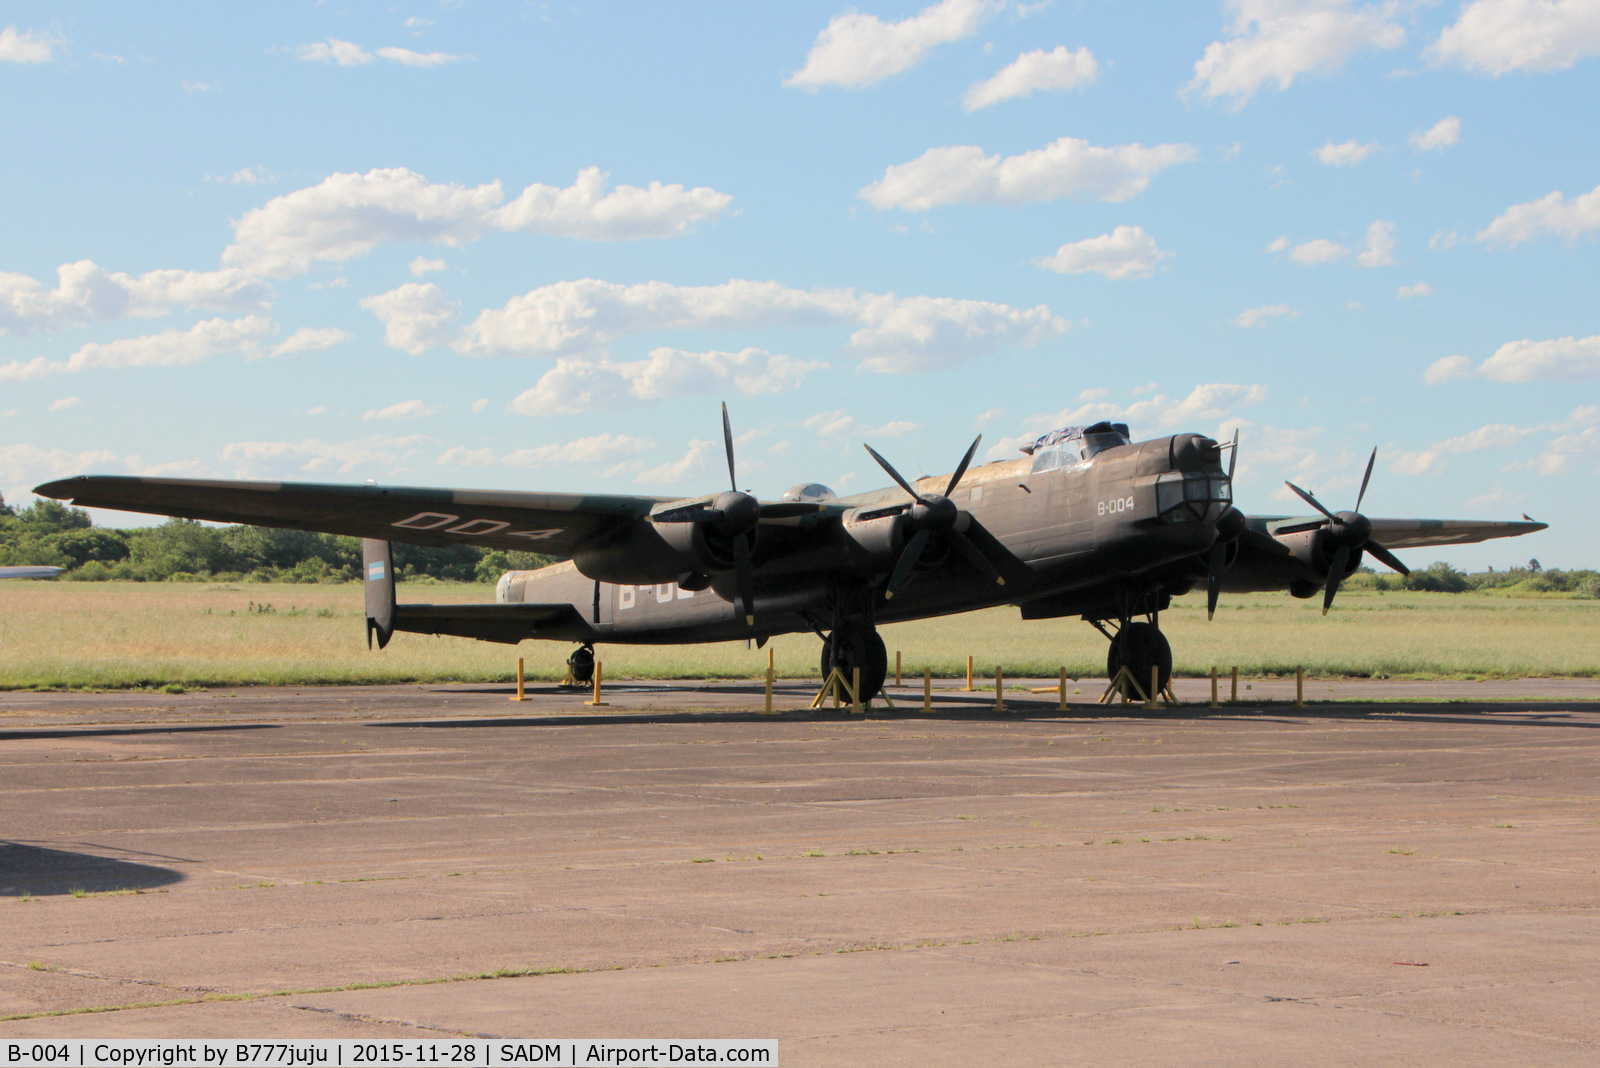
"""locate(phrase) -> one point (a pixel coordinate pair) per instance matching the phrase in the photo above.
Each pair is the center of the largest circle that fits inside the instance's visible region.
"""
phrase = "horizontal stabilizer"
(490, 621)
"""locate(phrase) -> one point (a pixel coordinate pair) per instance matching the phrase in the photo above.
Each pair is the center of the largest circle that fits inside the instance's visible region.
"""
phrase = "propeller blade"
(746, 577)
(1219, 553)
(727, 441)
(1233, 456)
(1312, 501)
(906, 564)
(1341, 556)
(887, 466)
(1389, 559)
(1370, 461)
(961, 469)
(996, 551)
(975, 557)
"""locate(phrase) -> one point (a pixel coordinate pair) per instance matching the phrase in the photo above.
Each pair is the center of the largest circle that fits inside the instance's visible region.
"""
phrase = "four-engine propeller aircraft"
(1087, 524)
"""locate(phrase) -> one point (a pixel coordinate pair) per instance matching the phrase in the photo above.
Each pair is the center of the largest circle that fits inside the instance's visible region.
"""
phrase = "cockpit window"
(1185, 496)
(1069, 445)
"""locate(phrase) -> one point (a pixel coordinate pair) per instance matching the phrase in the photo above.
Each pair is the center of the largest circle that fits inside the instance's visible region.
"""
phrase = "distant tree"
(1533, 565)
(497, 562)
(5, 509)
(97, 543)
(45, 516)
(178, 546)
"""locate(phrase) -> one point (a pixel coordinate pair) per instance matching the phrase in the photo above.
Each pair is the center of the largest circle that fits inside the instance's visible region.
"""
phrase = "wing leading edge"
(1412, 533)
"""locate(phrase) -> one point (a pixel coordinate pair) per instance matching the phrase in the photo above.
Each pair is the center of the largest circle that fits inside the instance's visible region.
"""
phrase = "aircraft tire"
(580, 665)
(1139, 647)
(861, 648)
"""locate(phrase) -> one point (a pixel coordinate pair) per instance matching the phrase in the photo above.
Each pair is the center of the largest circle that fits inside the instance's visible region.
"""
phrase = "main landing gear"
(580, 665)
(857, 645)
(1140, 647)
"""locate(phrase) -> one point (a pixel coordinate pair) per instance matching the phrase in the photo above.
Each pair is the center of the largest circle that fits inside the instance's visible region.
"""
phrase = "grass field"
(78, 635)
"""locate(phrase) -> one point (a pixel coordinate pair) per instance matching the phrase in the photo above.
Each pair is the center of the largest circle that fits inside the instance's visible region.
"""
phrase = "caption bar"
(328, 1053)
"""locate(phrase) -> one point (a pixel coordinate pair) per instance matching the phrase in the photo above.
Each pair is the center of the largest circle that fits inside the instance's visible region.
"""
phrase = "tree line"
(51, 533)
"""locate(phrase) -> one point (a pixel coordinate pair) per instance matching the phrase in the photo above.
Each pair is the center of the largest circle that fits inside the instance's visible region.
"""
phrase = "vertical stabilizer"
(377, 566)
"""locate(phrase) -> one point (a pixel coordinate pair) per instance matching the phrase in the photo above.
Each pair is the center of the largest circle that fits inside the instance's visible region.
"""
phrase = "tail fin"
(378, 571)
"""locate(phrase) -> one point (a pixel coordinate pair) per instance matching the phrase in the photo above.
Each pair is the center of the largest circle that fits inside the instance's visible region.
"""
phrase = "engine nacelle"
(874, 540)
(655, 553)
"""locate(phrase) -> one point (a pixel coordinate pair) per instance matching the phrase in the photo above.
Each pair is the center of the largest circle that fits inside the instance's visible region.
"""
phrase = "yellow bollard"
(969, 674)
(599, 670)
(521, 696)
(1155, 680)
(769, 657)
(927, 689)
(1299, 687)
(999, 691)
(1213, 686)
(1062, 705)
(1235, 697)
(897, 667)
(769, 689)
(855, 691)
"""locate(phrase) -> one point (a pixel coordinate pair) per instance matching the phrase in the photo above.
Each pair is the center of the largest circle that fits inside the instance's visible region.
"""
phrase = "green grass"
(176, 636)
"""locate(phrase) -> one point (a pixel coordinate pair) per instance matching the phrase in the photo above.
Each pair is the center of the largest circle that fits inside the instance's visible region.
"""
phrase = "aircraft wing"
(542, 522)
(29, 572)
(494, 622)
(1414, 533)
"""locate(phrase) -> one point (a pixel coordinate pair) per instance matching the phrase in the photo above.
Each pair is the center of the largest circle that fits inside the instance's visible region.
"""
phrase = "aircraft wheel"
(580, 665)
(1139, 647)
(852, 648)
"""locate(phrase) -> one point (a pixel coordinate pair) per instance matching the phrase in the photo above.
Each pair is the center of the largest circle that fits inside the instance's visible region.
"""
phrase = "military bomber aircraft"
(1086, 523)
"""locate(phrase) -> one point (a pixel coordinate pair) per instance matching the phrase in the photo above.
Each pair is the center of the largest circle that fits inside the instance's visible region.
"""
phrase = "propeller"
(1349, 532)
(935, 513)
(1230, 524)
(735, 515)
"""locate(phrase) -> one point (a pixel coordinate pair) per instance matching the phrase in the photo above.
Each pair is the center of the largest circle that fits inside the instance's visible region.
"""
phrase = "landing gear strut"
(852, 646)
(580, 665)
(1140, 647)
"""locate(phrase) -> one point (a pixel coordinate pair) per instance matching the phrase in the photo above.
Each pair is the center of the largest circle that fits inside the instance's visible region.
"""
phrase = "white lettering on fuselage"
(1115, 505)
(665, 593)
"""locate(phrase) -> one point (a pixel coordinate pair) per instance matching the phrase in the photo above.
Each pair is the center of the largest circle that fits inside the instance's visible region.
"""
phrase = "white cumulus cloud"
(1279, 40)
(1069, 167)
(1500, 36)
(576, 384)
(373, 455)
(409, 58)
(1317, 251)
(1379, 248)
(1344, 154)
(856, 50)
(599, 449)
(166, 349)
(1126, 252)
(1421, 289)
(1552, 215)
(1431, 460)
(25, 47)
(334, 50)
(895, 333)
(1439, 136)
(348, 215)
(416, 317)
(1059, 68)
(1206, 401)
(411, 409)
(1259, 316)
(312, 339)
(86, 293)
(422, 265)
(1562, 359)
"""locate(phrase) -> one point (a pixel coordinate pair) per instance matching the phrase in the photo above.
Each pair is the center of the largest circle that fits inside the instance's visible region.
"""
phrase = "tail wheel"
(1140, 647)
(851, 648)
(580, 665)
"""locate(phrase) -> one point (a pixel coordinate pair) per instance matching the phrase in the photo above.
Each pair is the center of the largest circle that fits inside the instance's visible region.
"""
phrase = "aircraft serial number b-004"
(1087, 523)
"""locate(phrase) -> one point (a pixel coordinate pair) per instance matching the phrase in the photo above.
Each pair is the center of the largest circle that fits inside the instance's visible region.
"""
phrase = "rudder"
(377, 567)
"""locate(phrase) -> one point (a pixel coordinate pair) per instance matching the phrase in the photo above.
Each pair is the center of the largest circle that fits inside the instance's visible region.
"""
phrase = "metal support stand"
(599, 670)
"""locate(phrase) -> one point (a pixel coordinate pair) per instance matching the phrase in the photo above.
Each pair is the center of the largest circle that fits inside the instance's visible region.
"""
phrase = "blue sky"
(532, 246)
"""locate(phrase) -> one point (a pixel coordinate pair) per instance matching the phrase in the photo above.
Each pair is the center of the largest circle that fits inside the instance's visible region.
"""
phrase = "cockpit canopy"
(1071, 444)
(808, 492)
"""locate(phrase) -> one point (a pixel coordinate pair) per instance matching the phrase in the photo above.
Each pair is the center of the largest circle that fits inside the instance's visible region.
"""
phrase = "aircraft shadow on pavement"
(980, 707)
(37, 871)
(22, 733)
